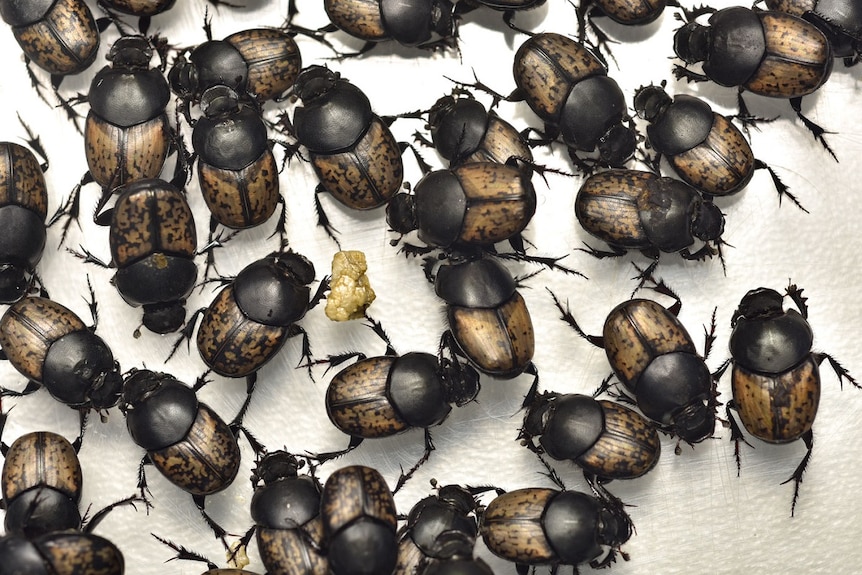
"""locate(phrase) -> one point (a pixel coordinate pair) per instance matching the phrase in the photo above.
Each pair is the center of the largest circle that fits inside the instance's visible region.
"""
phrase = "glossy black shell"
(67, 552)
(408, 22)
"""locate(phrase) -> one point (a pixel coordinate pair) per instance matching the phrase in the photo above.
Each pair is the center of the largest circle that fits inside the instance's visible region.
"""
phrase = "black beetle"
(605, 439)
(23, 209)
(190, 445)
(352, 150)
(630, 209)
(262, 63)
(428, 24)
(59, 36)
(237, 171)
(480, 203)
(766, 52)
(286, 510)
(127, 135)
(155, 262)
(509, 8)
(359, 522)
(440, 528)
(654, 357)
(839, 20)
(623, 12)
(60, 552)
(252, 317)
(463, 131)
(776, 375)
(50, 345)
(570, 90)
(704, 148)
(540, 526)
(386, 395)
(489, 322)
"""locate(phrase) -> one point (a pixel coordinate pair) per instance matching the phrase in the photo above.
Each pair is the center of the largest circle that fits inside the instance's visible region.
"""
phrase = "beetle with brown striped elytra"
(605, 439)
(155, 262)
(766, 52)
(23, 209)
(704, 148)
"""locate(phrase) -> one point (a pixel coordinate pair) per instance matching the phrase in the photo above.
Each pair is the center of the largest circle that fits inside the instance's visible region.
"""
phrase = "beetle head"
(401, 213)
(461, 383)
(218, 101)
(107, 388)
(761, 302)
(274, 466)
(164, 318)
(691, 43)
(650, 102)
(695, 422)
(131, 52)
(708, 224)
(617, 145)
(315, 81)
(183, 77)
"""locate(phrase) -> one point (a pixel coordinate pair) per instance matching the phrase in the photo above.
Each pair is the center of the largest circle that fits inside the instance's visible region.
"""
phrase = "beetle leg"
(31, 387)
(548, 262)
(817, 131)
(185, 554)
(186, 333)
(142, 476)
(88, 524)
(567, 317)
(646, 276)
(404, 477)
(795, 294)
(615, 252)
(218, 530)
(735, 435)
(71, 208)
(551, 473)
(88, 257)
(839, 369)
(808, 438)
(322, 218)
(236, 425)
(683, 73)
(355, 441)
(780, 186)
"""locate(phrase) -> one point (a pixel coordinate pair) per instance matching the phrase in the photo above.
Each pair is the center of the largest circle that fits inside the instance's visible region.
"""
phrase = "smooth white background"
(692, 513)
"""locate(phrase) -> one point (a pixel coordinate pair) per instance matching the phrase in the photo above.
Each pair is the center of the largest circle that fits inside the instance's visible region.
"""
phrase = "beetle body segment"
(63, 552)
(408, 22)
(23, 209)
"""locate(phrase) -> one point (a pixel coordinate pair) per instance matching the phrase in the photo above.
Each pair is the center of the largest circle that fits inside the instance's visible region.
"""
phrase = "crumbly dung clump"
(350, 291)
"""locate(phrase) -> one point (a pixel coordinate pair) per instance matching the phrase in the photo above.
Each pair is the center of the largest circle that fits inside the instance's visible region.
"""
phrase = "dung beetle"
(769, 53)
(390, 394)
(237, 171)
(839, 20)
(127, 135)
(50, 345)
(60, 552)
(605, 439)
(704, 148)
(59, 36)
(252, 317)
(478, 203)
(776, 375)
(623, 12)
(153, 244)
(286, 510)
(509, 8)
(463, 131)
(541, 526)
(489, 322)
(23, 209)
(190, 445)
(631, 209)
(440, 528)
(262, 63)
(427, 24)
(569, 89)
(42, 484)
(654, 358)
(359, 522)
(352, 150)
